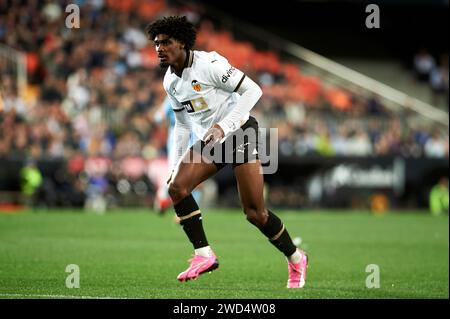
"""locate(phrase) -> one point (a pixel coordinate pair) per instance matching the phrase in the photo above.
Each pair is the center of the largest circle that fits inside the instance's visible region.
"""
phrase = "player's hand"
(214, 135)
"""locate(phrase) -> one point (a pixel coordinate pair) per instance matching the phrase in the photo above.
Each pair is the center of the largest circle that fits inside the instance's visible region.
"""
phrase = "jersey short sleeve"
(220, 73)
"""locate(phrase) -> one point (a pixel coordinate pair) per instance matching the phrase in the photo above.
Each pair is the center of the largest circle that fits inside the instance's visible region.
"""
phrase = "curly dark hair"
(176, 27)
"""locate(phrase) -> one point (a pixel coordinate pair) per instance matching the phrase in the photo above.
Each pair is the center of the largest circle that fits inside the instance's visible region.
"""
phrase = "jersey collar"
(187, 63)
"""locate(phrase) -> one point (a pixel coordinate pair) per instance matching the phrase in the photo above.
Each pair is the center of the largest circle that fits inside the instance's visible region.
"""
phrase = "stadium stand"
(92, 94)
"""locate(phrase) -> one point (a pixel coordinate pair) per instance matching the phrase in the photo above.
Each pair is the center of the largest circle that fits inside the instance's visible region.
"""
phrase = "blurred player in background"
(162, 199)
(212, 99)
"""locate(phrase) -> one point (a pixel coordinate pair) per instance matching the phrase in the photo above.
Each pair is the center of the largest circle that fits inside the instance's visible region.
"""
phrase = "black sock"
(278, 235)
(191, 220)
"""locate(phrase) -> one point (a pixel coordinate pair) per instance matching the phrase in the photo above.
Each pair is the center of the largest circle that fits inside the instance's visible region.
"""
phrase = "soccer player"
(213, 100)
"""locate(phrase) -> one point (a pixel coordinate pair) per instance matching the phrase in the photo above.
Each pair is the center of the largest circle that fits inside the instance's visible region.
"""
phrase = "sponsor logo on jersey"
(226, 76)
(196, 86)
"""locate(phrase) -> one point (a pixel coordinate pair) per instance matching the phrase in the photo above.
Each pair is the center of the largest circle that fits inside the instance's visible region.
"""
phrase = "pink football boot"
(297, 272)
(199, 265)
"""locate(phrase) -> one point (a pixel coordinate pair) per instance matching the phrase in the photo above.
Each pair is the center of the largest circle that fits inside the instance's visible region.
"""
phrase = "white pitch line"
(58, 296)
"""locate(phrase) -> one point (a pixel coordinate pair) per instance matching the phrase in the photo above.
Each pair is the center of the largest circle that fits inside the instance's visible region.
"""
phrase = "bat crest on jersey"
(196, 86)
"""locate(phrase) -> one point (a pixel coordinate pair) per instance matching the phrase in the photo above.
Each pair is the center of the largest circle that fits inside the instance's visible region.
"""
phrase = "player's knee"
(177, 191)
(256, 217)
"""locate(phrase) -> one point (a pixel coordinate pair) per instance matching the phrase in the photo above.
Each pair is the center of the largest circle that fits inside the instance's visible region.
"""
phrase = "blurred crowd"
(94, 94)
(94, 90)
(89, 91)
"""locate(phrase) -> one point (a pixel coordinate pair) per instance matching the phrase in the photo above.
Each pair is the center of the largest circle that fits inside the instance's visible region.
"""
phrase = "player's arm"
(250, 93)
(181, 133)
(228, 78)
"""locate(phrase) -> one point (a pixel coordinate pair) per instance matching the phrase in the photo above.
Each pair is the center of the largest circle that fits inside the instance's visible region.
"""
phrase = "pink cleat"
(297, 272)
(199, 265)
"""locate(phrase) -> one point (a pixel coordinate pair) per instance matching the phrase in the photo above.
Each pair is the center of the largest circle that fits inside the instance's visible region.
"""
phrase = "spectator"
(439, 197)
(436, 146)
(31, 180)
(424, 63)
(439, 82)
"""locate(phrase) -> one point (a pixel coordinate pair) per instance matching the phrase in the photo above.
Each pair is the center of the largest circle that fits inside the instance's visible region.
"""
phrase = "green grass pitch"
(138, 254)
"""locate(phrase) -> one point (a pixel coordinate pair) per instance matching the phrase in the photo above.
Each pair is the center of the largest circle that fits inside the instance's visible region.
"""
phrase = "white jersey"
(206, 90)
